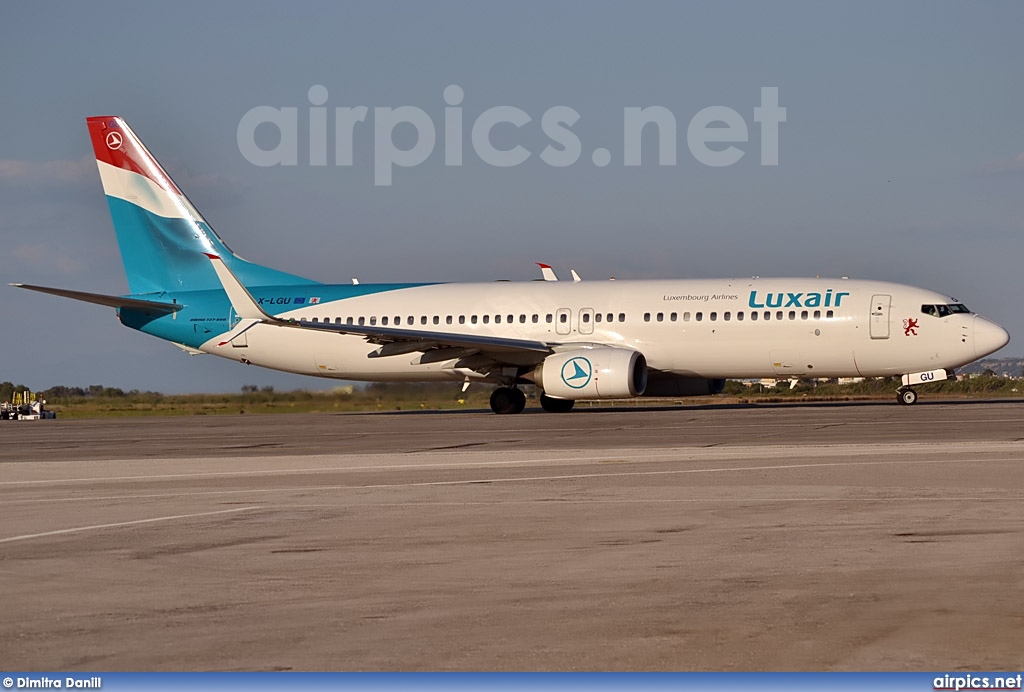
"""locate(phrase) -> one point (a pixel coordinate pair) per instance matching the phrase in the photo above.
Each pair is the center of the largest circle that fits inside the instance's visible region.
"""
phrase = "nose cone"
(989, 337)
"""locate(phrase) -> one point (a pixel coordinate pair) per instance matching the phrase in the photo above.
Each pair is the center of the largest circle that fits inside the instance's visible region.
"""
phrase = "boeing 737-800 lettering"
(573, 340)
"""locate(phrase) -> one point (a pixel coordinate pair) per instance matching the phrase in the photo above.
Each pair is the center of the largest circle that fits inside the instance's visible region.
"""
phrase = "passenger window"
(373, 321)
(349, 321)
(563, 318)
(423, 319)
(497, 319)
(337, 320)
(362, 321)
(661, 317)
(714, 316)
(473, 319)
(778, 315)
(462, 319)
(522, 319)
(767, 315)
(548, 318)
(792, 314)
(511, 319)
(611, 317)
(597, 317)
(739, 316)
(673, 317)
(622, 317)
(803, 315)
(830, 314)
(753, 316)
(487, 319)
(700, 316)
(448, 319)
(686, 317)
(586, 318)
(727, 316)
(647, 317)
(535, 318)
(383, 320)
(817, 314)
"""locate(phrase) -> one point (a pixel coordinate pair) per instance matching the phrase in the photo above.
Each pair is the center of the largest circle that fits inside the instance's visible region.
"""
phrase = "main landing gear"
(552, 405)
(508, 400)
(512, 400)
(906, 396)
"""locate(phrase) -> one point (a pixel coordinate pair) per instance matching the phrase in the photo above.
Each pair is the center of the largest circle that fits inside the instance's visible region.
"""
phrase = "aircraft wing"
(392, 340)
(110, 301)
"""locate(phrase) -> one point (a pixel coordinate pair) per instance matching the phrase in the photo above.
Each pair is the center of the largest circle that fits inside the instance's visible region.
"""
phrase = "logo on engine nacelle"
(577, 372)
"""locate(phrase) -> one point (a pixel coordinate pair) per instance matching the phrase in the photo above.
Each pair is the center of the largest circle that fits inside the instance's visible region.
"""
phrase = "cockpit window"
(944, 310)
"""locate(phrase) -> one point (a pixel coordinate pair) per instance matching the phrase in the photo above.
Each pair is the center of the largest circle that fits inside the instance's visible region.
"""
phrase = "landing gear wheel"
(906, 396)
(552, 405)
(508, 400)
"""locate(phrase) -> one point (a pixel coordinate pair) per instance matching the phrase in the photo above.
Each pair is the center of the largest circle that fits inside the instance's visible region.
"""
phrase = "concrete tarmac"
(789, 537)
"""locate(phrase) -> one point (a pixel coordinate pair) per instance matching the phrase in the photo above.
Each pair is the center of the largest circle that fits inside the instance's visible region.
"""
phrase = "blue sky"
(902, 156)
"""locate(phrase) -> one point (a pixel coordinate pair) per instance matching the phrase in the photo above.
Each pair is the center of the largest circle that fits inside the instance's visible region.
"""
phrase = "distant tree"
(249, 389)
(989, 372)
(7, 390)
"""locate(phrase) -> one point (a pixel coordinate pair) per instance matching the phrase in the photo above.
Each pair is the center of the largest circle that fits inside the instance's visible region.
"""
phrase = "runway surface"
(834, 537)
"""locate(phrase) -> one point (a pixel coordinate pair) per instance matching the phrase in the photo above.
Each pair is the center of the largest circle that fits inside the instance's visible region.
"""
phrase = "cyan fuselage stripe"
(208, 313)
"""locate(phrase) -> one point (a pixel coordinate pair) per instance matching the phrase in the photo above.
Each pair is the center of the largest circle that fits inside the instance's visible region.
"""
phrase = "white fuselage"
(700, 328)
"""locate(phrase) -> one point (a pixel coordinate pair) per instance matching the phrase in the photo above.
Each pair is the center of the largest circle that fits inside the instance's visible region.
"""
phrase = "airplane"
(572, 340)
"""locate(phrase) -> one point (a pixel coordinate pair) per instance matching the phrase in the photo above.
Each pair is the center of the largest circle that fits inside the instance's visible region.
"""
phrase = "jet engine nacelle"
(600, 372)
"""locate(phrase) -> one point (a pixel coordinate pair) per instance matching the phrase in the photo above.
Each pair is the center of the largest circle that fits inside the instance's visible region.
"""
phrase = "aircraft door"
(586, 321)
(880, 316)
(563, 320)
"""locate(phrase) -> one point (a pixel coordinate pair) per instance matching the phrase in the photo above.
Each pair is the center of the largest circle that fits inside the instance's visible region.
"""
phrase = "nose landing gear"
(906, 396)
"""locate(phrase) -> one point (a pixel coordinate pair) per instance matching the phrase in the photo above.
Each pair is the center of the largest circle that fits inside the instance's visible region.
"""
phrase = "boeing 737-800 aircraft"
(573, 340)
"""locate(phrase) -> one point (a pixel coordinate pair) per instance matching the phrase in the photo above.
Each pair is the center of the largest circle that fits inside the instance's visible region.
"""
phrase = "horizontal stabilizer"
(110, 301)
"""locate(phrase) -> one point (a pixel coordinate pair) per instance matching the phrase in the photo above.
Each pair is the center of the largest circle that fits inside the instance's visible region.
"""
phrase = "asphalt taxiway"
(835, 537)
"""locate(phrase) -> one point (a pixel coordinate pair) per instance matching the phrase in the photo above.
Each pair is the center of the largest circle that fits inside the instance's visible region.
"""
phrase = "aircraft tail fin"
(162, 237)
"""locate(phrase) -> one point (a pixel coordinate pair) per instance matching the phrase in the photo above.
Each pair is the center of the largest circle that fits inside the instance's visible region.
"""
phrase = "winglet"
(547, 272)
(242, 301)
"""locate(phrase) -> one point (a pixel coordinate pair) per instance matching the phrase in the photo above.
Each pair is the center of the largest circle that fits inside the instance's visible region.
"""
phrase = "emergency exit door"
(563, 324)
